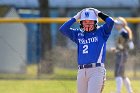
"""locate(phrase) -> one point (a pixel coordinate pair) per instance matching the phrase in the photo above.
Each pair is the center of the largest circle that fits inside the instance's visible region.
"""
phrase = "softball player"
(91, 42)
(124, 42)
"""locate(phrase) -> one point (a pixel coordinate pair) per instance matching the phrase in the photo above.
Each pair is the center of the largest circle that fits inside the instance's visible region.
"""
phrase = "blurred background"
(38, 51)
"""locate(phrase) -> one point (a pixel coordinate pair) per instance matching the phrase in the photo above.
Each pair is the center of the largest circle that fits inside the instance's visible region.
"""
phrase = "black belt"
(90, 65)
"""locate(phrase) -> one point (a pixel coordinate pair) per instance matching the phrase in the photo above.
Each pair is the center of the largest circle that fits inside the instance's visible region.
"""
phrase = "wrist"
(73, 19)
(97, 11)
(103, 16)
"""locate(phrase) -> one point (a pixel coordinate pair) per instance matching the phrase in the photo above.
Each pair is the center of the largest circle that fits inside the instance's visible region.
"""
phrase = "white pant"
(119, 83)
(91, 80)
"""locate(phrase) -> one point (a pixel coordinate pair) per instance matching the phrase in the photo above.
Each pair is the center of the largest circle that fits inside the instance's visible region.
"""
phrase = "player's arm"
(109, 22)
(66, 27)
(125, 35)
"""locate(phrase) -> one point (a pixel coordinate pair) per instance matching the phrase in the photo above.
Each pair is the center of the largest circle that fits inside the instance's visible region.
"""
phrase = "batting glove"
(78, 15)
(95, 10)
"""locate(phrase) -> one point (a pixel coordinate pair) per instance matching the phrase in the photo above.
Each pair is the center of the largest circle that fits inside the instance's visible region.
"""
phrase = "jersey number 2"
(85, 49)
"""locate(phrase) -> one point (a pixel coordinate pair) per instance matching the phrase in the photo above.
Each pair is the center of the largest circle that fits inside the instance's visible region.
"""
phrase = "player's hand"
(78, 15)
(95, 10)
(131, 45)
(113, 49)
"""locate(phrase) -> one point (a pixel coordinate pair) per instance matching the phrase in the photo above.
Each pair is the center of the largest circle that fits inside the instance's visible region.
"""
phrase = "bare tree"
(61, 39)
(46, 64)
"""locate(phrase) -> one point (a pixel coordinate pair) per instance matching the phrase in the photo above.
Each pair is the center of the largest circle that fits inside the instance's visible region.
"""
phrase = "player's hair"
(126, 27)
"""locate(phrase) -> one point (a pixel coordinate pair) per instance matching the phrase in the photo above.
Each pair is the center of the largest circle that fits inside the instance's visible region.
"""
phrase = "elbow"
(61, 29)
(111, 20)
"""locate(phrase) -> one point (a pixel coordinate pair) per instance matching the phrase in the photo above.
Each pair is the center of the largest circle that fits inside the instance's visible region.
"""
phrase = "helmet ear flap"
(95, 25)
(81, 25)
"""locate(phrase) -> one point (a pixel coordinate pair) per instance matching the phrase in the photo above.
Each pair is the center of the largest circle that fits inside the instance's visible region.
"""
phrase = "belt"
(92, 65)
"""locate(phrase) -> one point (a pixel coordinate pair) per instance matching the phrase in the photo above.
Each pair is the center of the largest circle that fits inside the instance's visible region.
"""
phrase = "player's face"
(118, 26)
(88, 25)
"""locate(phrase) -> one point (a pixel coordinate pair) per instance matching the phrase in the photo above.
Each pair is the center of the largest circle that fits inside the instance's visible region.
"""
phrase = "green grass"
(59, 74)
(53, 86)
(36, 86)
(62, 81)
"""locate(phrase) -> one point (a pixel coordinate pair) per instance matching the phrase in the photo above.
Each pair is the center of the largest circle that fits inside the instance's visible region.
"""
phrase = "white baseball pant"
(119, 83)
(91, 80)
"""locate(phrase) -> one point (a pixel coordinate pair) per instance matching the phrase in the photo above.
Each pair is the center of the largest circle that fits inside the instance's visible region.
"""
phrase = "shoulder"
(124, 33)
(75, 30)
(99, 28)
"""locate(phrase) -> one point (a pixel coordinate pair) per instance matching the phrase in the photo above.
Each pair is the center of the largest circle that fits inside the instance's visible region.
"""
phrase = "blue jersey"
(91, 45)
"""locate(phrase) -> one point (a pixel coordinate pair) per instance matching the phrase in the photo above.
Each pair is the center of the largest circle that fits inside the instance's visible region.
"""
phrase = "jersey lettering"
(89, 40)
